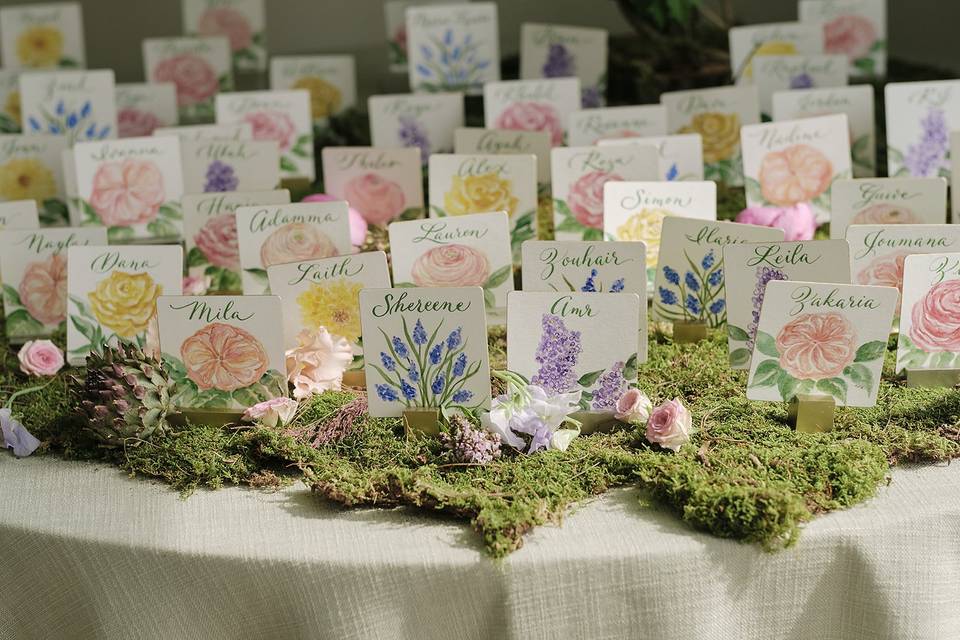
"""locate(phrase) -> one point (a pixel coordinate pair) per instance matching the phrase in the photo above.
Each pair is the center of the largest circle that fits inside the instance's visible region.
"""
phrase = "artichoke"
(125, 394)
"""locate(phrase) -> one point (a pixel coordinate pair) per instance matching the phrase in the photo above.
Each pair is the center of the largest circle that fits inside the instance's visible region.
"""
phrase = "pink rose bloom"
(195, 285)
(936, 318)
(886, 214)
(358, 225)
(798, 222)
(133, 123)
(295, 242)
(634, 407)
(400, 37)
(815, 346)
(670, 425)
(43, 290)
(225, 357)
(451, 265)
(127, 193)
(796, 174)
(272, 413)
(40, 358)
(852, 36)
(586, 197)
(226, 21)
(885, 271)
(217, 239)
(377, 199)
(196, 80)
(317, 363)
(532, 116)
(272, 125)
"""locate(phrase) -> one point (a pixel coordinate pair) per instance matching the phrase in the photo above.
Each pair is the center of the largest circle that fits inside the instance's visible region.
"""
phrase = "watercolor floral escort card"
(395, 20)
(453, 47)
(465, 251)
(19, 214)
(590, 126)
(786, 163)
(589, 267)
(113, 291)
(822, 339)
(31, 169)
(716, 115)
(748, 43)
(425, 348)
(857, 102)
(689, 284)
(131, 186)
(382, 185)
(887, 201)
(224, 353)
(242, 22)
(42, 36)
(680, 156)
(326, 293)
(9, 101)
(210, 231)
(855, 29)
(278, 234)
(930, 313)
(475, 140)
(461, 184)
(230, 165)
(558, 51)
(920, 117)
(955, 171)
(79, 105)
(425, 122)
(561, 342)
(749, 267)
(199, 67)
(282, 117)
(782, 73)
(34, 268)
(144, 107)
(579, 176)
(532, 105)
(331, 81)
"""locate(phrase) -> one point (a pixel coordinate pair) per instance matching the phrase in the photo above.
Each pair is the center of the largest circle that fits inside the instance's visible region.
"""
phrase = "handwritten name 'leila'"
(776, 255)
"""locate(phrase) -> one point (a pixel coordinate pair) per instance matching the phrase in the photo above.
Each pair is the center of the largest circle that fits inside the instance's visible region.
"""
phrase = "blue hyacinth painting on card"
(451, 62)
(694, 294)
(76, 122)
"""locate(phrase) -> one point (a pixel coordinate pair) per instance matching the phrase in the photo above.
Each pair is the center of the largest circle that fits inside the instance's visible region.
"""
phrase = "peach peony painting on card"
(294, 242)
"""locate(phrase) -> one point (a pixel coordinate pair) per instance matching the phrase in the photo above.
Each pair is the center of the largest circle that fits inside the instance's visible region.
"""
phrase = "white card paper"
(590, 126)
(532, 105)
(887, 201)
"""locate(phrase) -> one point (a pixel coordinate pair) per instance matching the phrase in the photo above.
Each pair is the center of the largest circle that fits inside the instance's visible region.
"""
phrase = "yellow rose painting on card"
(325, 98)
(480, 194)
(334, 306)
(27, 179)
(720, 133)
(40, 46)
(125, 302)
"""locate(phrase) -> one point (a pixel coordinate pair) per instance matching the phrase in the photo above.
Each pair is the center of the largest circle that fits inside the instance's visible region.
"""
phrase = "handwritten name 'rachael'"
(878, 240)
(552, 259)
(317, 273)
(398, 304)
(776, 255)
(806, 296)
(113, 260)
(265, 219)
(945, 266)
(871, 192)
(438, 233)
(565, 307)
(200, 310)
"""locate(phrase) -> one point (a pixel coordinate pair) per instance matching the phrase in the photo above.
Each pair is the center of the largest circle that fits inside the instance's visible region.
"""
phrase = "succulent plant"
(125, 394)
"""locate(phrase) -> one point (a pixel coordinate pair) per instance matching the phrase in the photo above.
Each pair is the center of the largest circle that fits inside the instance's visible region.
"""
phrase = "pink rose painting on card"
(195, 78)
(217, 240)
(294, 242)
(851, 35)
(223, 357)
(451, 265)
(227, 21)
(935, 319)
(886, 214)
(377, 199)
(884, 271)
(798, 173)
(134, 123)
(532, 116)
(128, 192)
(815, 346)
(43, 290)
(585, 198)
(273, 125)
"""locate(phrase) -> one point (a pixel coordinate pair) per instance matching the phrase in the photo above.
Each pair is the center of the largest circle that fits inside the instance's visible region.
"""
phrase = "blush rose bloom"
(40, 358)
(272, 413)
(634, 407)
(851, 35)
(586, 197)
(43, 290)
(217, 239)
(225, 357)
(884, 271)
(317, 363)
(127, 193)
(377, 199)
(670, 425)
(134, 123)
(886, 214)
(295, 242)
(226, 21)
(196, 80)
(815, 346)
(798, 222)
(936, 318)
(451, 265)
(532, 116)
(272, 125)
(796, 174)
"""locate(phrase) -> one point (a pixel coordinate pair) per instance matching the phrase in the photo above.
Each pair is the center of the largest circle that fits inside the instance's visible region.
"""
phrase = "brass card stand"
(212, 417)
(298, 187)
(355, 378)
(689, 332)
(421, 422)
(811, 413)
(933, 377)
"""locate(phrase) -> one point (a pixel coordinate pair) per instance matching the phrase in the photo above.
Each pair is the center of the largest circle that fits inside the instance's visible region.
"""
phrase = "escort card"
(34, 268)
(955, 171)
(142, 108)
(821, 339)
(131, 186)
(235, 131)
(70, 183)
(199, 67)
(749, 267)
(780, 73)
(930, 312)
(425, 348)
(856, 102)
(331, 81)
(590, 126)
(855, 29)
(748, 43)
(426, 122)
(887, 201)
(19, 214)
(579, 176)
(395, 20)
(557, 51)
(282, 117)
(230, 165)
(243, 22)
(223, 352)
(31, 169)
(920, 117)
(532, 105)
(210, 231)
(382, 185)
(561, 342)
(278, 234)
(716, 115)
(786, 163)
(76, 104)
(113, 291)
(42, 35)
(680, 156)
(9, 101)
(689, 282)
(326, 293)
(454, 47)
(506, 142)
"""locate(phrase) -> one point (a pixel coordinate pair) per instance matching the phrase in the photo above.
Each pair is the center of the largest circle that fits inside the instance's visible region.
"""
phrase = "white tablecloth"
(86, 552)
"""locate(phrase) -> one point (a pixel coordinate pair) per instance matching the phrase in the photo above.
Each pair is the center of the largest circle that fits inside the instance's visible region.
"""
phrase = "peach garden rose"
(377, 199)
(935, 318)
(195, 79)
(294, 242)
(272, 125)
(451, 265)
(884, 271)
(217, 240)
(532, 116)
(43, 290)
(225, 357)
(798, 173)
(886, 214)
(585, 198)
(815, 346)
(128, 192)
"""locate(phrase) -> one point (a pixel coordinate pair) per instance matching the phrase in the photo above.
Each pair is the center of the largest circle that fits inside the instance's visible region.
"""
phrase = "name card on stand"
(331, 81)
(589, 126)
(532, 105)
(681, 155)
(929, 342)
(42, 36)
(473, 140)
(209, 71)
(144, 107)
(553, 51)
(887, 201)
(425, 122)
(748, 43)
(382, 185)
(31, 168)
(780, 73)
(244, 21)
(856, 29)
(230, 165)
(19, 214)
(920, 117)
(235, 131)
(78, 105)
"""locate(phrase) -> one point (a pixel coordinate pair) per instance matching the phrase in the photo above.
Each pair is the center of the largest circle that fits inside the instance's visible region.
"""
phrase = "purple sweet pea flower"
(16, 436)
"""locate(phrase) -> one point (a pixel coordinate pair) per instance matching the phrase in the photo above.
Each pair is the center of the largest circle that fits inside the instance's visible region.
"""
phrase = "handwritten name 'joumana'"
(878, 240)
(265, 219)
(200, 310)
(438, 233)
(805, 296)
(398, 304)
(588, 258)
(318, 273)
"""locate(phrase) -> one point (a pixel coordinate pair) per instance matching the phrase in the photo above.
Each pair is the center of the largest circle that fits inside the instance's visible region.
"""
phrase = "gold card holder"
(689, 332)
(932, 378)
(421, 422)
(211, 417)
(298, 187)
(812, 413)
(356, 378)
